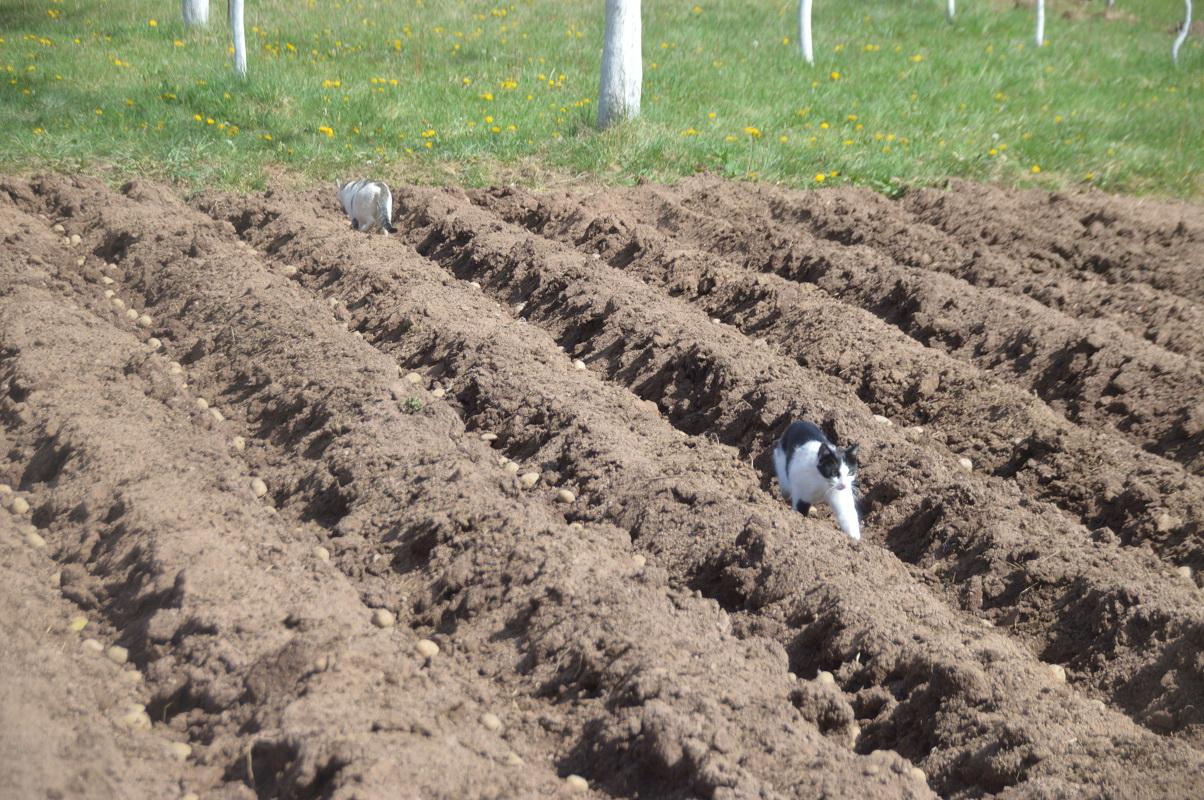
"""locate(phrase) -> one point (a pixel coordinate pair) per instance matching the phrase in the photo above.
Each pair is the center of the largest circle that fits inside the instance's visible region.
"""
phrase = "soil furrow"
(961, 527)
(707, 519)
(59, 700)
(1026, 256)
(1094, 373)
(607, 671)
(253, 648)
(1100, 478)
(1126, 242)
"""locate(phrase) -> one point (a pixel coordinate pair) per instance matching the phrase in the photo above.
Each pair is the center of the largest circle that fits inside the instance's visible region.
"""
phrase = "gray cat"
(369, 204)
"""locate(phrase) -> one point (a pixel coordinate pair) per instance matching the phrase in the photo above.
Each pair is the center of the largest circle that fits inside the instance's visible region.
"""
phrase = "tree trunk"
(951, 9)
(1182, 37)
(804, 31)
(196, 12)
(240, 39)
(1040, 37)
(622, 64)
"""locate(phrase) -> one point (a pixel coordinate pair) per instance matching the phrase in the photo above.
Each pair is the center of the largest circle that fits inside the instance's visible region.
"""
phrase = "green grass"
(474, 92)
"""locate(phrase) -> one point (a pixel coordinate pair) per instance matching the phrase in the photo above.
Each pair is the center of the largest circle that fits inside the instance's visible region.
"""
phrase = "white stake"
(196, 12)
(804, 30)
(951, 9)
(240, 39)
(622, 64)
(1182, 37)
(1040, 23)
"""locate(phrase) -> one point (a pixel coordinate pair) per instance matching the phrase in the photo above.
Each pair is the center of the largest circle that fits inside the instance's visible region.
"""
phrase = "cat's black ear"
(850, 452)
(824, 451)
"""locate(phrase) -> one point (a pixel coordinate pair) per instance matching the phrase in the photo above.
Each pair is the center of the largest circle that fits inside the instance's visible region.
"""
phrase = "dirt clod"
(383, 618)
(258, 487)
(426, 648)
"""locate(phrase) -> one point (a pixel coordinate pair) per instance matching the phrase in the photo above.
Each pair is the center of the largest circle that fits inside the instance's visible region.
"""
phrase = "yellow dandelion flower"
(917, 58)
(1035, 169)
(326, 131)
(834, 75)
(267, 137)
(992, 152)
(486, 96)
(731, 137)
(39, 131)
(178, 42)
(753, 132)
(820, 177)
(710, 115)
(494, 129)
(824, 126)
(783, 138)
(428, 145)
(696, 10)
(154, 23)
(197, 117)
(689, 132)
(209, 120)
(429, 133)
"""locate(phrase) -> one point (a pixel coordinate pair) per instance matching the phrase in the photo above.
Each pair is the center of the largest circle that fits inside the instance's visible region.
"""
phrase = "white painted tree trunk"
(622, 64)
(1040, 37)
(196, 12)
(240, 39)
(951, 9)
(1182, 37)
(804, 30)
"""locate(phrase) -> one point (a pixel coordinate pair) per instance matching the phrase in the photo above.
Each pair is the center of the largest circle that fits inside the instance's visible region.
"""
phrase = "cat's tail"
(384, 210)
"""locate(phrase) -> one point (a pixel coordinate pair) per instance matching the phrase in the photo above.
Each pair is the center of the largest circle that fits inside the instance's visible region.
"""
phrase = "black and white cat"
(811, 469)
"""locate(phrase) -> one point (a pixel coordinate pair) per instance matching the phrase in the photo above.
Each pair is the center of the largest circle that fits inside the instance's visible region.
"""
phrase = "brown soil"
(673, 630)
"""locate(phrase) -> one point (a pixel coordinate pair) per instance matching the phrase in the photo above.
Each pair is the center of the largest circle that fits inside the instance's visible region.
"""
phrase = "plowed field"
(534, 429)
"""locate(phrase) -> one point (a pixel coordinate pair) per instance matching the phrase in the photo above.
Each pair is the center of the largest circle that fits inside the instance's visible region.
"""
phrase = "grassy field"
(476, 91)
